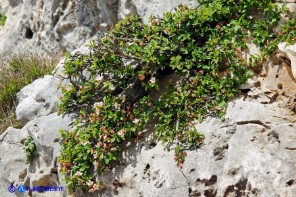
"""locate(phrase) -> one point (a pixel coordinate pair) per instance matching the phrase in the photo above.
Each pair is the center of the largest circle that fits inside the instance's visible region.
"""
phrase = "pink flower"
(68, 88)
(113, 149)
(84, 143)
(99, 144)
(116, 106)
(98, 107)
(122, 132)
(96, 186)
(78, 174)
(152, 80)
(136, 121)
(98, 104)
(90, 183)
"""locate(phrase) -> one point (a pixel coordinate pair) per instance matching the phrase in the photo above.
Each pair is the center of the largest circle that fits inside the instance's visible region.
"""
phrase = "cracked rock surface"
(42, 171)
(53, 26)
(57, 26)
(251, 153)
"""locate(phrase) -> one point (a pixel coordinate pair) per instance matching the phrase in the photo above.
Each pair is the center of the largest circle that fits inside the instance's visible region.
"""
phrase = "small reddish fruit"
(280, 33)
(142, 44)
(141, 77)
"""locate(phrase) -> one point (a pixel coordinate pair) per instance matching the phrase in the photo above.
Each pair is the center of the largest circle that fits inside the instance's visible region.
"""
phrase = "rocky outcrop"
(251, 153)
(51, 27)
(239, 158)
(38, 99)
(42, 171)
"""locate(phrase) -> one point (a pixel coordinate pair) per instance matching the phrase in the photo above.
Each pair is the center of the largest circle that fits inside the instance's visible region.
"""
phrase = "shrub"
(18, 69)
(30, 149)
(2, 19)
(200, 50)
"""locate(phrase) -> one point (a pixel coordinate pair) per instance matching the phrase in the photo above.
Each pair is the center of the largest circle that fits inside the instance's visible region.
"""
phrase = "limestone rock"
(52, 27)
(55, 26)
(246, 155)
(290, 53)
(42, 171)
(147, 8)
(243, 112)
(38, 99)
(126, 8)
(251, 153)
(12, 162)
(83, 49)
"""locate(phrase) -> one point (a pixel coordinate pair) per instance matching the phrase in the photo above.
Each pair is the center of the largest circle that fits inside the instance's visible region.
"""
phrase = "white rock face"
(146, 8)
(251, 153)
(247, 155)
(289, 51)
(12, 163)
(38, 99)
(53, 26)
(42, 171)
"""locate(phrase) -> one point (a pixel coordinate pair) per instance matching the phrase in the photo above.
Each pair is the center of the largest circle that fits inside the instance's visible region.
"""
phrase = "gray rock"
(246, 112)
(45, 132)
(43, 170)
(51, 27)
(290, 53)
(55, 26)
(147, 8)
(83, 49)
(238, 158)
(251, 153)
(12, 157)
(38, 99)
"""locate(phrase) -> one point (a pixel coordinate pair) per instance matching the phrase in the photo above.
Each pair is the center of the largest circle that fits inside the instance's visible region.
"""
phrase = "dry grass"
(18, 69)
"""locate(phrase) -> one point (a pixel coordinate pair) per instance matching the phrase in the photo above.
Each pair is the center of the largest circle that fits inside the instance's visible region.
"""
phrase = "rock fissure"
(258, 122)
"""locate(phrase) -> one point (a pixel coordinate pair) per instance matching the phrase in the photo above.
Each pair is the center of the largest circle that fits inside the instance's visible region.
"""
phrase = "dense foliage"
(115, 87)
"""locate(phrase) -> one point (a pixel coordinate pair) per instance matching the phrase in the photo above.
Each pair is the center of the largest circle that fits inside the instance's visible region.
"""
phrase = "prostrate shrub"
(200, 50)
(18, 69)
